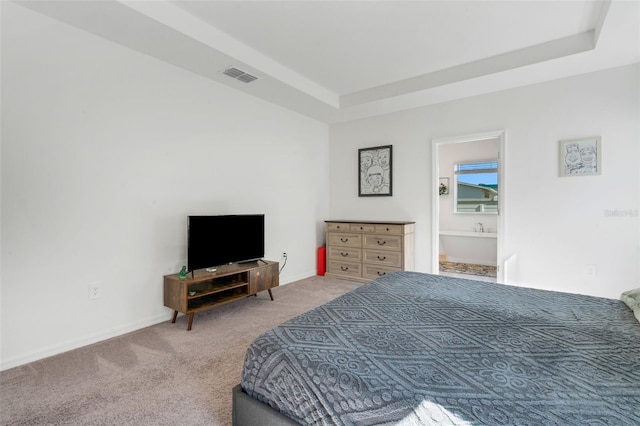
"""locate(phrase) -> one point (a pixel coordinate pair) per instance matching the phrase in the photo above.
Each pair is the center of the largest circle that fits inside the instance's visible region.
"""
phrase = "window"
(476, 187)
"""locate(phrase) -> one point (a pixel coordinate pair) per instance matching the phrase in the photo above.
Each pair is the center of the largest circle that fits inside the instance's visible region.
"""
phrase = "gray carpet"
(161, 375)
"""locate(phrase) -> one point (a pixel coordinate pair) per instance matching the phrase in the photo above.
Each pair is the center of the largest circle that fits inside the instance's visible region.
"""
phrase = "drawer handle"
(382, 258)
(381, 273)
(381, 243)
(387, 229)
(344, 254)
(361, 228)
(344, 268)
(344, 240)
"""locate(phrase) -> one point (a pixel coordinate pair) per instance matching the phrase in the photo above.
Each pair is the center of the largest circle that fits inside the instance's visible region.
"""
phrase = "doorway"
(468, 207)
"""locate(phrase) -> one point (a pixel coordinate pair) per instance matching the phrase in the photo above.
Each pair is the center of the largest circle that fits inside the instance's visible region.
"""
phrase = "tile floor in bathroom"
(469, 271)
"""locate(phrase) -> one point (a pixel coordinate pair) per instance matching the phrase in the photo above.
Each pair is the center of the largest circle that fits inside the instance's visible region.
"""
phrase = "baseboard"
(6, 364)
(84, 341)
(297, 277)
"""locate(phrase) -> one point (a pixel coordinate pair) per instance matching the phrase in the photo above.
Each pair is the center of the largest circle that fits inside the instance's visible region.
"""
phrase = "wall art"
(580, 157)
(374, 177)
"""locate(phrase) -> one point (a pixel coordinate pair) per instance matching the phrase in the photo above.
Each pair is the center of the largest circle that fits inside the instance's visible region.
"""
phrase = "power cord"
(285, 262)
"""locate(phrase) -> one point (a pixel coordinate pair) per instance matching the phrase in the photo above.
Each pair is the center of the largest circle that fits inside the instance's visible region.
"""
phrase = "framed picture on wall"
(374, 177)
(580, 157)
(443, 186)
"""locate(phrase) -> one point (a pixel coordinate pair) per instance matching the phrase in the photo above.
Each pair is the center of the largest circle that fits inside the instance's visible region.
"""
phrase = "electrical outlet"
(592, 270)
(94, 291)
(284, 254)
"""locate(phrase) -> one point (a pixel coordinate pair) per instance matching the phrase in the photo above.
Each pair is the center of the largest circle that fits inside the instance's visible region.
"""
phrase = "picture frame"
(580, 157)
(443, 186)
(375, 171)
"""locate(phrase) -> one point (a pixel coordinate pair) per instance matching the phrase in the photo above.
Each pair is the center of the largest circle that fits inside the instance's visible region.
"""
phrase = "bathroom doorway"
(468, 206)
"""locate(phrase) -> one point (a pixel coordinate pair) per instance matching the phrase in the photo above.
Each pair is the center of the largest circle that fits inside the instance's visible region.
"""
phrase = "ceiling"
(344, 60)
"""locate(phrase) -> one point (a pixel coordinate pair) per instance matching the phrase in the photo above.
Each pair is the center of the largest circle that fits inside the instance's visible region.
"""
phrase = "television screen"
(220, 240)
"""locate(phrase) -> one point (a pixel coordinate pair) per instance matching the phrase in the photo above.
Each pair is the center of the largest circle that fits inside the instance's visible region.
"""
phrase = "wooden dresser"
(363, 251)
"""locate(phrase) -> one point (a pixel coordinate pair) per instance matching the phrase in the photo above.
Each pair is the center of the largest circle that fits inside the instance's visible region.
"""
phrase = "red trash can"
(322, 260)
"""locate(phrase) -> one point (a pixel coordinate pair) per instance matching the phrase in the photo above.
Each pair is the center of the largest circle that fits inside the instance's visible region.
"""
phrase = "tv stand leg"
(175, 315)
(190, 321)
(270, 295)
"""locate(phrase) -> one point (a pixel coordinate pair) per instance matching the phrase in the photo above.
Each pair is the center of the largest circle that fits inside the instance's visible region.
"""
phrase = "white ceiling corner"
(344, 60)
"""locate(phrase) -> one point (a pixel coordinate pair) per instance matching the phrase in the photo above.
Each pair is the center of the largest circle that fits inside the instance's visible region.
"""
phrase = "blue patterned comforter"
(411, 348)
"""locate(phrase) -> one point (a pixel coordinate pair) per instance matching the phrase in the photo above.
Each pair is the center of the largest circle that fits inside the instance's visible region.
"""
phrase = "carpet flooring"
(160, 375)
(468, 268)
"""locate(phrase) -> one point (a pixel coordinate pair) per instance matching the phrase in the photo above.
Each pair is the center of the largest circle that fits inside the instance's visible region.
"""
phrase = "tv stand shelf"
(203, 290)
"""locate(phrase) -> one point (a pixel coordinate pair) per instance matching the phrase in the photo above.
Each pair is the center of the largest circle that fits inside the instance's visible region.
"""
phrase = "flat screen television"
(219, 240)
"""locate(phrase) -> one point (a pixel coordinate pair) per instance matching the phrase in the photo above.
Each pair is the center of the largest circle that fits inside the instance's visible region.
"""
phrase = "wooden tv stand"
(203, 290)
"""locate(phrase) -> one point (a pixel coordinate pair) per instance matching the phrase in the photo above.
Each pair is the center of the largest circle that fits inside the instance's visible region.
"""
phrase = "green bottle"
(183, 273)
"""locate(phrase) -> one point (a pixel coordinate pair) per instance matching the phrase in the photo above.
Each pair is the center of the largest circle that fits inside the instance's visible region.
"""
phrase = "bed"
(412, 348)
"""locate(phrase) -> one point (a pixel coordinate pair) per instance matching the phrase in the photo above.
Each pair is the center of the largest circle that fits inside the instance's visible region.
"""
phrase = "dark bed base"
(251, 412)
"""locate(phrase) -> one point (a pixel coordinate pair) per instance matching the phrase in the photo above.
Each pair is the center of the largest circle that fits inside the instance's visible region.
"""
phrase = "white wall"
(571, 227)
(104, 153)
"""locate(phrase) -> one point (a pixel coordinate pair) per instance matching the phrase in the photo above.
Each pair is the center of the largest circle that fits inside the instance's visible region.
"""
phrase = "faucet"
(480, 227)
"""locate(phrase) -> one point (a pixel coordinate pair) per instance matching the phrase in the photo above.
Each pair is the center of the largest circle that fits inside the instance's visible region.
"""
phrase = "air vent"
(247, 78)
(233, 72)
(239, 75)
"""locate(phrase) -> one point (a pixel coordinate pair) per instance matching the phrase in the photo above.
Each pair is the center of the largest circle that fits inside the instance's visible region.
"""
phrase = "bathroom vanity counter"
(470, 234)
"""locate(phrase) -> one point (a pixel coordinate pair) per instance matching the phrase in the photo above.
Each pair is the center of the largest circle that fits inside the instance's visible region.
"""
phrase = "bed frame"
(247, 411)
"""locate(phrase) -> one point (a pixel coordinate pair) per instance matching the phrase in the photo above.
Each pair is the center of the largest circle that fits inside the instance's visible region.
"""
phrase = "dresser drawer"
(345, 268)
(362, 250)
(344, 240)
(386, 242)
(383, 258)
(337, 226)
(362, 227)
(388, 229)
(373, 271)
(345, 253)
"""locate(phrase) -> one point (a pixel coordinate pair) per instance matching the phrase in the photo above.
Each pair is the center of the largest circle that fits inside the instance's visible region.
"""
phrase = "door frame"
(501, 135)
